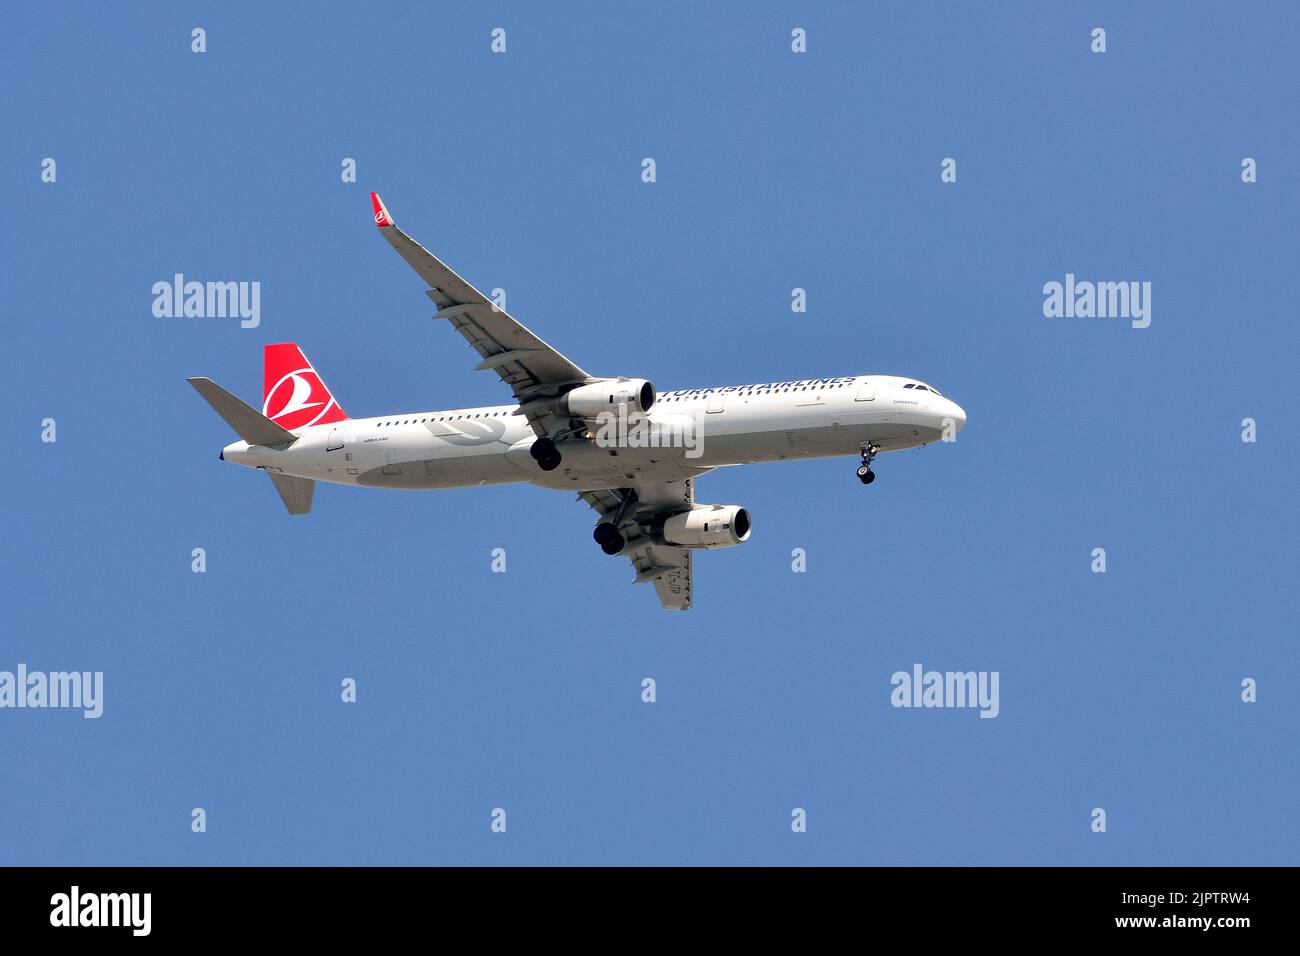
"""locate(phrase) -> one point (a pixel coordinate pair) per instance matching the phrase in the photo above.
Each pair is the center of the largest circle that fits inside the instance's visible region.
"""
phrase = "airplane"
(629, 451)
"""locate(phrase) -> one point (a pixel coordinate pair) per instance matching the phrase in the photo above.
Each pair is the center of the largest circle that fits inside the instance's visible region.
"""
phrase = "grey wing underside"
(666, 566)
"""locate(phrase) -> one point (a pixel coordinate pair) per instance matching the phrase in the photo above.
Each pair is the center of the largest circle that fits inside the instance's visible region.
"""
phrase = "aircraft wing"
(667, 566)
(528, 365)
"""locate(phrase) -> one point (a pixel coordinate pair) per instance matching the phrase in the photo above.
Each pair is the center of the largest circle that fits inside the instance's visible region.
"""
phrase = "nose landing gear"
(865, 474)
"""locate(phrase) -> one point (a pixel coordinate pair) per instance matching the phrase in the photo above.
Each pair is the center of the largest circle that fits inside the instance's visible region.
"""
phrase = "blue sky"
(775, 170)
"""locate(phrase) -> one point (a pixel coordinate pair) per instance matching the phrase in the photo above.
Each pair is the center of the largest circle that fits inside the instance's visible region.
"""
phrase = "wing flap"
(668, 568)
(674, 587)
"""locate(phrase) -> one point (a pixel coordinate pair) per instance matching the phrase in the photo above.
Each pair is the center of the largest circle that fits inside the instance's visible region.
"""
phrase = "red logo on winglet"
(382, 218)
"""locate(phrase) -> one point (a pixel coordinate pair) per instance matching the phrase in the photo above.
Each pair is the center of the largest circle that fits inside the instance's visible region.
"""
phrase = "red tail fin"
(293, 394)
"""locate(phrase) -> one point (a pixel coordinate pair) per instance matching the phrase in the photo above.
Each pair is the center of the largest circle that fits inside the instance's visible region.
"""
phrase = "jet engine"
(708, 526)
(632, 394)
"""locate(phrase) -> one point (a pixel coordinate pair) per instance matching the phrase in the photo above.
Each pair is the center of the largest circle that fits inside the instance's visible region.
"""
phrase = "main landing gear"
(608, 537)
(865, 474)
(545, 454)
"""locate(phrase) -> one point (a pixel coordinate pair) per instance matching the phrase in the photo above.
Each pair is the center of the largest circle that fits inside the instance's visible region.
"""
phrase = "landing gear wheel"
(608, 537)
(545, 454)
(865, 474)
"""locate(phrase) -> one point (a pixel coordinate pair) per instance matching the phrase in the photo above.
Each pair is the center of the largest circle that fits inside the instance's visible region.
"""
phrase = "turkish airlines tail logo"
(293, 394)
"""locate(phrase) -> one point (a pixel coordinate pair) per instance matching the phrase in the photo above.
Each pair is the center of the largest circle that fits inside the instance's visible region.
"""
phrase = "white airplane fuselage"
(685, 434)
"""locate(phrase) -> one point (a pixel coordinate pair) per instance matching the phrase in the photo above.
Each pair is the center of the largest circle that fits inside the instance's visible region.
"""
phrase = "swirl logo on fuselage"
(472, 431)
(297, 400)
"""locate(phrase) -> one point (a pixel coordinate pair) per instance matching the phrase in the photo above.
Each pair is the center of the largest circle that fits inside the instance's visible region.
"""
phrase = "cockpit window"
(909, 385)
(921, 388)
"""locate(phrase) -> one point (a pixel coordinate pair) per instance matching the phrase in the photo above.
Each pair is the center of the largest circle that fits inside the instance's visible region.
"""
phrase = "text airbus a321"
(632, 453)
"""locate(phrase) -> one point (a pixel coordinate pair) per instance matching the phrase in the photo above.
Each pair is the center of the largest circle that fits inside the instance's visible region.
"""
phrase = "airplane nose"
(956, 413)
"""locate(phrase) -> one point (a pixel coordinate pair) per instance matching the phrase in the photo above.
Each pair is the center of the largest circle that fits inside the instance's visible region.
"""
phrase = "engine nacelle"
(588, 401)
(708, 526)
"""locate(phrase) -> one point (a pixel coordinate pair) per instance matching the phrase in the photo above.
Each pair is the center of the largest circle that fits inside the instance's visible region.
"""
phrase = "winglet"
(382, 218)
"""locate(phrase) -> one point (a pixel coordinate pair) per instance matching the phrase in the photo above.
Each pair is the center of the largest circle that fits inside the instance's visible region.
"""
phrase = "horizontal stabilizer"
(249, 424)
(294, 492)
